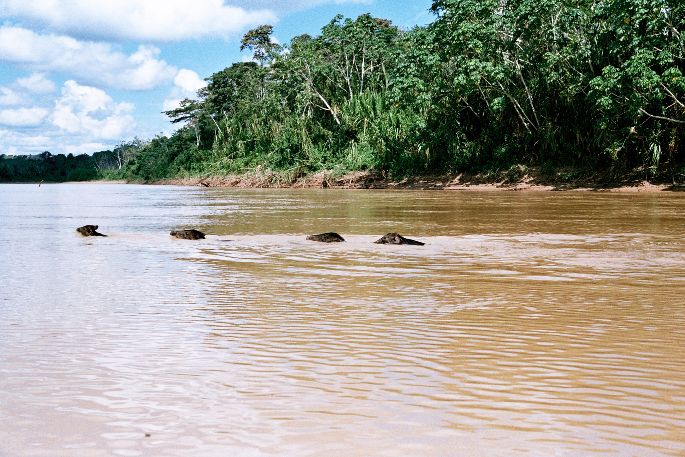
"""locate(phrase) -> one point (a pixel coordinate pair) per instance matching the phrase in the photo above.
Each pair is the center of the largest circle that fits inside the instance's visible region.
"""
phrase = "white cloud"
(189, 81)
(23, 142)
(295, 5)
(149, 20)
(9, 97)
(171, 103)
(186, 85)
(23, 90)
(83, 148)
(91, 112)
(78, 119)
(19, 142)
(145, 70)
(23, 117)
(37, 83)
(91, 62)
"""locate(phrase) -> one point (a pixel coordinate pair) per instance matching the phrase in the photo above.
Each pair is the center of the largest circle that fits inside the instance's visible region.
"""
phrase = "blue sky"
(78, 76)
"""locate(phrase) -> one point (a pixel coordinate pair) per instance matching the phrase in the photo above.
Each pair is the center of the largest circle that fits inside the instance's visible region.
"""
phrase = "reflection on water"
(529, 325)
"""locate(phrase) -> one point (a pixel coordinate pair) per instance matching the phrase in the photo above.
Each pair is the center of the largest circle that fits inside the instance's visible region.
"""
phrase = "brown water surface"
(531, 324)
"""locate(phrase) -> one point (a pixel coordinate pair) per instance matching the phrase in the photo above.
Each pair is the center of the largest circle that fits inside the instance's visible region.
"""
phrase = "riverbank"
(518, 178)
(515, 179)
(98, 181)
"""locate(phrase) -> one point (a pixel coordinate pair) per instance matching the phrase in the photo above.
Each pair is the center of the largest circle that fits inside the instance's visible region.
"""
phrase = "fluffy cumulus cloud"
(87, 42)
(148, 20)
(22, 91)
(37, 83)
(78, 119)
(294, 5)
(186, 85)
(9, 97)
(91, 112)
(84, 148)
(19, 142)
(189, 81)
(91, 62)
(22, 117)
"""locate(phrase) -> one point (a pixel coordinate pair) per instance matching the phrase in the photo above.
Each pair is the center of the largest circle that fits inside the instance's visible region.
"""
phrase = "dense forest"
(589, 84)
(57, 168)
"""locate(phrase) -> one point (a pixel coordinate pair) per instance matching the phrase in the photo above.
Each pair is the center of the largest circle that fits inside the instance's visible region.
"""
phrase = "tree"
(641, 89)
(191, 112)
(259, 41)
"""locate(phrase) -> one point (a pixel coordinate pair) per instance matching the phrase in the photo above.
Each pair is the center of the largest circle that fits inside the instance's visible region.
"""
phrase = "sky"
(80, 76)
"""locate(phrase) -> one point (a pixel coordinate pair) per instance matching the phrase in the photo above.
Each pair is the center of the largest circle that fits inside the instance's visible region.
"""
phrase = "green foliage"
(259, 41)
(640, 92)
(50, 168)
(488, 85)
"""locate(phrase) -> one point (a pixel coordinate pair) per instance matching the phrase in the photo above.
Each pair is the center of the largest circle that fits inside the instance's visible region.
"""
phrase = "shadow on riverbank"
(517, 178)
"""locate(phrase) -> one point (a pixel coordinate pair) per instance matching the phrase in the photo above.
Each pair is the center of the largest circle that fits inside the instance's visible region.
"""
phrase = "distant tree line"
(490, 83)
(46, 167)
(59, 167)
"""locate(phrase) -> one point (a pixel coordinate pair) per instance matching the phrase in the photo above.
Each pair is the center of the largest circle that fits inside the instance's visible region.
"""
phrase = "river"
(530, 324)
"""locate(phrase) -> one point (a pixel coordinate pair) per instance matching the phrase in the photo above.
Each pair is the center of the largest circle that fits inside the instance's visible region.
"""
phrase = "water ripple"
(527, 326)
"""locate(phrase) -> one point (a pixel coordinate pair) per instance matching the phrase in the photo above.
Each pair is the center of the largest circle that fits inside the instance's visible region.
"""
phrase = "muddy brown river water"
(530, 324)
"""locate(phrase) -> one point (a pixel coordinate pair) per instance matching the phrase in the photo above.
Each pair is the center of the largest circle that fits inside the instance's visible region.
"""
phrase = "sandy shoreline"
(363, 180)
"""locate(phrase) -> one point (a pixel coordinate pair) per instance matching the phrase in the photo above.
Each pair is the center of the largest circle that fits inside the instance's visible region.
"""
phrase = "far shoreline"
(50, 183)
(531, 181)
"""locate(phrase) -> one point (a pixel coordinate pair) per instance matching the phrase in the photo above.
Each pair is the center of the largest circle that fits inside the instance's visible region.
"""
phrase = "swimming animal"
(188, 234)
(89, 230)
(396, 238)
(328, 237)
